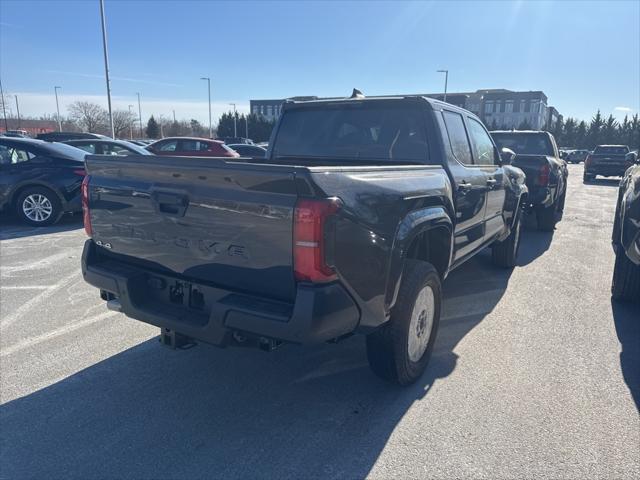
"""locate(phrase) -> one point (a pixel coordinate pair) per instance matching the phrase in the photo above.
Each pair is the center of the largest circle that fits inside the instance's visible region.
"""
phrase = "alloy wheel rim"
(421, 324)
(37, 207)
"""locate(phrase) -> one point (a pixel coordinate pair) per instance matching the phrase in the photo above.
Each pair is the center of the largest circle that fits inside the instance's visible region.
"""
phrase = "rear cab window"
(360, 131)
(607, 150)
(525, 143)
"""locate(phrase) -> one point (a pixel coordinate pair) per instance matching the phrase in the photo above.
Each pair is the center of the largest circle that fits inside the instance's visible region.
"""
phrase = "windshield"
(67, 151)
(373, 131)
(606, 150)
(524, 143)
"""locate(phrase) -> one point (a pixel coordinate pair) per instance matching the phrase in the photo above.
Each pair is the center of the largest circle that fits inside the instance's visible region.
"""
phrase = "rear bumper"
(211, 315)
(540, 196)
(606, 171)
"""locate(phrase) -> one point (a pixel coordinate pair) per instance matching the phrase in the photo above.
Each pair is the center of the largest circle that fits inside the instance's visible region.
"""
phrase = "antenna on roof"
(356, 94)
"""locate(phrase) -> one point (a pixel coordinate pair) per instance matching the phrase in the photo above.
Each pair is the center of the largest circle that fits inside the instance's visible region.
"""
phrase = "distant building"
(498, 108)
(501, 108)
(32, 127)
(270, 109)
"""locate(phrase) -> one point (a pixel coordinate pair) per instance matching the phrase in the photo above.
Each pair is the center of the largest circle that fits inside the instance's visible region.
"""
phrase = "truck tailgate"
(531, 165)
(207, 220)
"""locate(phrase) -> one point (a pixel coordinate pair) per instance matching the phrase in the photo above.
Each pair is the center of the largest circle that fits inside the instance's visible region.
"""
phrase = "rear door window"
(484, 152)
(193, 146)
(457, 136)
(12, 155)
(168, 146)
(87, 147)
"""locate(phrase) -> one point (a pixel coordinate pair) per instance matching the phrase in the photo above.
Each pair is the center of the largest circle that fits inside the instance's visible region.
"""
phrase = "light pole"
(55, 89)
(4, 108)
(246, 125)
(235, 118)
(140, 115)
(446, 79)
(106, 66)
(130, 123)
(18, 110)
(209, 89)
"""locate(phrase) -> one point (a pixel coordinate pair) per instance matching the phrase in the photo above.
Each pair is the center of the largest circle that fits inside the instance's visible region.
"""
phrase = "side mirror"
(507, 156)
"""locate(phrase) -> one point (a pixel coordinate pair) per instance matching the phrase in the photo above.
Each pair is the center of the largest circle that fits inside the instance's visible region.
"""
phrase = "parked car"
(64, 136)
(235, 140)
(537, 155)
(251, 151)
(608, 161)
(365, 207)
(109, 147)
(15, 134)
(577, 156)
(191, 147)
(40, 180)
(625, 285)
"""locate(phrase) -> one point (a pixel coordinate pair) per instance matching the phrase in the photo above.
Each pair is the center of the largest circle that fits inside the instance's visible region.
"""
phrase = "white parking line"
(30, 342)
(25, 307)
(24, 287)
(44, 263)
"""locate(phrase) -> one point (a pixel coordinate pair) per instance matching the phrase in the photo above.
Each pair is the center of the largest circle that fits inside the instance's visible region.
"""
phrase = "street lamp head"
(442, 71)
(205, 78)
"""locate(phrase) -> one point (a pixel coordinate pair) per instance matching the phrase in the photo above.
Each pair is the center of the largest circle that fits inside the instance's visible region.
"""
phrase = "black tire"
(548, 217)
(505, 253)
(388, 347)
(561, 204)
(625, 285)
(51, 209)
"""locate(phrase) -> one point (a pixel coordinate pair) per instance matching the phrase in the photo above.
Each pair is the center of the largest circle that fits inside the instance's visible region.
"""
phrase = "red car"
(191, 147)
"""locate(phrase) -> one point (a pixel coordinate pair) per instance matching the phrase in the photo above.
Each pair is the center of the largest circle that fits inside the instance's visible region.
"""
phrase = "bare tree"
(89, 116)
(122, 123)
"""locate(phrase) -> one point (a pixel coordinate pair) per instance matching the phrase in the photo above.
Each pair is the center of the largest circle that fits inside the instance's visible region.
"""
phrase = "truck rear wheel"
(625, 285)
(400, 350)
(505, 253)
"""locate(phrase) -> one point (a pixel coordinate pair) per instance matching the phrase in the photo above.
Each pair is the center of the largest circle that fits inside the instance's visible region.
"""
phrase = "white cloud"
(623, 109)
(36, 104)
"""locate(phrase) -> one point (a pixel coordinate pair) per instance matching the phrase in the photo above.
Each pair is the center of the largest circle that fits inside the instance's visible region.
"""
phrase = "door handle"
(491, 181)
(464, 186)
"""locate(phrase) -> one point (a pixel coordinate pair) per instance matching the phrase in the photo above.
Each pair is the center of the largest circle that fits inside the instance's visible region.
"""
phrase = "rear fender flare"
(414, 224)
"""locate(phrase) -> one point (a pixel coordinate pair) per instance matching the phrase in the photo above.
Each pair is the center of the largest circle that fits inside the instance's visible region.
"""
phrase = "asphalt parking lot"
(536, 373)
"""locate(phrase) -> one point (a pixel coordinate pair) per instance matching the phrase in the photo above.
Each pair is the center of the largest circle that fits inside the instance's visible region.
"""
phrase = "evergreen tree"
(610, 131)
(581, 135)
(634, 134)
(595, 131)
(569, 134)
(153, 129)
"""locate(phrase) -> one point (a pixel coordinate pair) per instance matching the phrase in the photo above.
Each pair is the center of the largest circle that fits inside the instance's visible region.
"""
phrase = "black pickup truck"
(538, 156)
(350, 224)
(625, 285)
(608, 161)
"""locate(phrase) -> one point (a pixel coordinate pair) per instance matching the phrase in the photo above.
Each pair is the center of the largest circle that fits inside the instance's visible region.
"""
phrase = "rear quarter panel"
(376, 223)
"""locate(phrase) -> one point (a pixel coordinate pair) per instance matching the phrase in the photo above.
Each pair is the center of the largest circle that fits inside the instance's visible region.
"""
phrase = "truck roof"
(519, 131)
(432, 102)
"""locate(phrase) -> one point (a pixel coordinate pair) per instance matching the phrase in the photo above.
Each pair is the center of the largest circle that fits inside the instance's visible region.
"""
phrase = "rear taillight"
(543, 175)
(80, 171)
(86, 213)
(309, 240)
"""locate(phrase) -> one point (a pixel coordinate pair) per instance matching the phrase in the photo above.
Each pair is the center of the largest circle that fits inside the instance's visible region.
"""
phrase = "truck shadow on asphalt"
(11, 227)
(295, 413)
(626, 317)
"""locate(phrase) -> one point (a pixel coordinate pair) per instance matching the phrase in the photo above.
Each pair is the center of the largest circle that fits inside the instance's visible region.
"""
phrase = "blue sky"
(584, 56)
